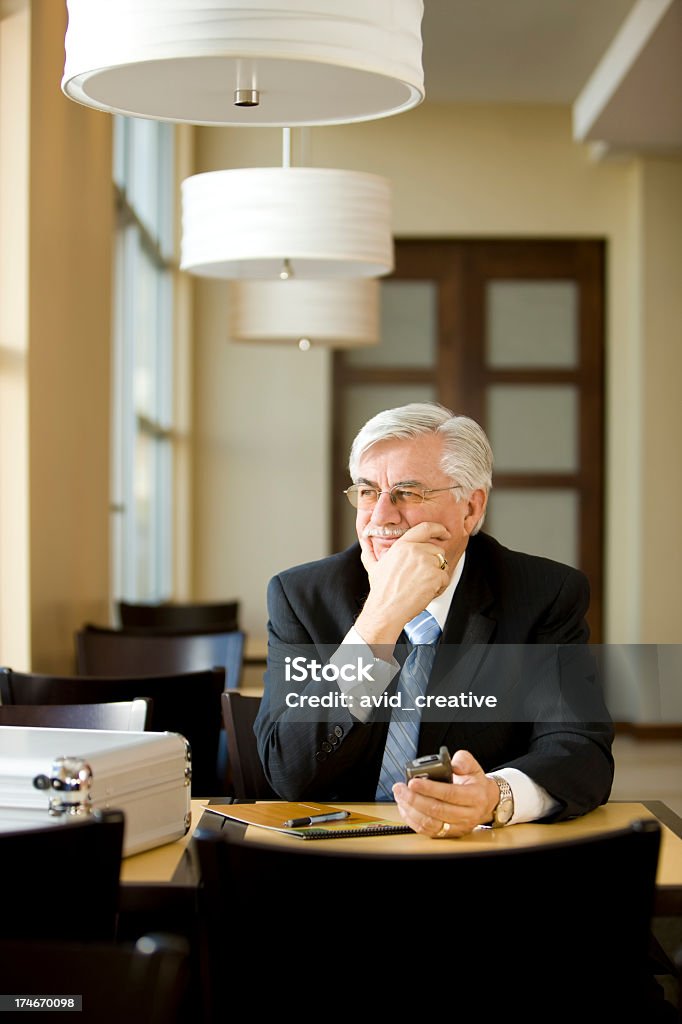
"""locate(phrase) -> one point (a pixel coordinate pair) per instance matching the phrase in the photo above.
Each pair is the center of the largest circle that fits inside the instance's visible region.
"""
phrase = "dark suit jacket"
(503, 597)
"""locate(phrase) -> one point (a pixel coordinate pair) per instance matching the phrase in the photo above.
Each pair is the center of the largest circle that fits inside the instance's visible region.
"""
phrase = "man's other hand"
(468, 801)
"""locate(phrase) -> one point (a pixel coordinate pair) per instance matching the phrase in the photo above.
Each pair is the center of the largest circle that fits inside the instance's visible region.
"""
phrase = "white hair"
(467, 456)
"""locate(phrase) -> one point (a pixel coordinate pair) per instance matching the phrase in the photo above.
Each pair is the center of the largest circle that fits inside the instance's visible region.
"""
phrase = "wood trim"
(388, 375)
(547, 481)
(528, 376)
(650, 730)
(590, 259)
(580, 261)
(337, 463)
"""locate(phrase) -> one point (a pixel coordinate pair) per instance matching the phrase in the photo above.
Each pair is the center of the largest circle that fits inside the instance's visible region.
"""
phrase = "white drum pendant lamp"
(272, 222)
(335, 314)
(246, 62)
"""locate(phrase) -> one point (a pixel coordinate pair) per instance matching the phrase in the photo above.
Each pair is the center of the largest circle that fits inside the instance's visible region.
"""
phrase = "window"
(143, 360)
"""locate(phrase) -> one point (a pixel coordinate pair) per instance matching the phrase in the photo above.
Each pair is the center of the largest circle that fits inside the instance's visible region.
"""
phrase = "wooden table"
(171, 870)
(164, 865)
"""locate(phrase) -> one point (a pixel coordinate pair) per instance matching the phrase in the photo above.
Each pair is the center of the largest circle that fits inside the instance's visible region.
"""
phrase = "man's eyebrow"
(399, 483)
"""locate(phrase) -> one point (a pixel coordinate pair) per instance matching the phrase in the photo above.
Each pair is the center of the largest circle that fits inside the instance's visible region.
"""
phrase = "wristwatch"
(504, 811)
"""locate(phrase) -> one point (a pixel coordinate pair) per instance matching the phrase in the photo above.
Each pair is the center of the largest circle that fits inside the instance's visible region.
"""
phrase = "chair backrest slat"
(184, 702)
(144, 983)
(194, 616)
(248, 777)
(114, 652)
(124, 716)
(551, 931)
(62, 880)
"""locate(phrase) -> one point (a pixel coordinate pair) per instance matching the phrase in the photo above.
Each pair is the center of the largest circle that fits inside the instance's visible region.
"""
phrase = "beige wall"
(15, 39)
(67, 237)
(457, 171)
(261, 446)
(660, 196)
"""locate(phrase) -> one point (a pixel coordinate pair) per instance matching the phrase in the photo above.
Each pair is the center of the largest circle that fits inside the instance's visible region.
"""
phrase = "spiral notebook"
(273, 814)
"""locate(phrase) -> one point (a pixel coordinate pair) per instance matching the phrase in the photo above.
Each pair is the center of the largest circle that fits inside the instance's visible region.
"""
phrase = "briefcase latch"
(69, 786)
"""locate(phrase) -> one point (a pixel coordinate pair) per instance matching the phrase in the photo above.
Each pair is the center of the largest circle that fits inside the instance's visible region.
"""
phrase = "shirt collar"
(440, 606)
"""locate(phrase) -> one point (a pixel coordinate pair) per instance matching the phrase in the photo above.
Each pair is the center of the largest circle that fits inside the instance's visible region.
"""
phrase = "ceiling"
(616, 62)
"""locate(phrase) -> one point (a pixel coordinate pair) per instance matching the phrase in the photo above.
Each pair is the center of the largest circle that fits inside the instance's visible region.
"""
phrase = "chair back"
(183, 702)
(61, 881)
(248, 778)
(192, 617)
(563, 924)
(114, 652)
(123, 716)
(144, 983)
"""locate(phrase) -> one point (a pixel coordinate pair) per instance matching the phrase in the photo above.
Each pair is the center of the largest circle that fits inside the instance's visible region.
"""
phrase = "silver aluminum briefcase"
(48, 775)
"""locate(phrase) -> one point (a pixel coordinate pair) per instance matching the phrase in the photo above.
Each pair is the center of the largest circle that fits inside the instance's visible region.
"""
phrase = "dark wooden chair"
(61, 881)
(103, 651)
(194, 617)
(248, 778)
(141, 983)
(118, 652)
(124, 716)
(183, 702)
(550, 932)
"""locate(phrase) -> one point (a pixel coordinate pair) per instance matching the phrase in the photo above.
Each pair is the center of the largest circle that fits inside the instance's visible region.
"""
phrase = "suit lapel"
(355, 584)
(468, 629)
(467, 621)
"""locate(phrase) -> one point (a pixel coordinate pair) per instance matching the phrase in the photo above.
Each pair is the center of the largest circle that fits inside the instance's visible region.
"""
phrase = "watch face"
(505, 811)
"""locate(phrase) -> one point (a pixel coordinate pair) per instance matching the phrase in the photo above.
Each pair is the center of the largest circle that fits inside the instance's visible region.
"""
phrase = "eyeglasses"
(364, 497)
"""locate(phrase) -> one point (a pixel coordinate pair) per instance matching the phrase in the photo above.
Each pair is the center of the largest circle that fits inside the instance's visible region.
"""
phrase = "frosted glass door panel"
(361, 403)
(540, 522)
(532, 324)
(365, 400)
(533, 429)
(409, 326)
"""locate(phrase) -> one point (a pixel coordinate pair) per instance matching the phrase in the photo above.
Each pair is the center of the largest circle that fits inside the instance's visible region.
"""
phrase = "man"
(423, 573)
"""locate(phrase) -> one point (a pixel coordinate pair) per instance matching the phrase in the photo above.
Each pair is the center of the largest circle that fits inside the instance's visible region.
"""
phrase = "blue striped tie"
(403, 731)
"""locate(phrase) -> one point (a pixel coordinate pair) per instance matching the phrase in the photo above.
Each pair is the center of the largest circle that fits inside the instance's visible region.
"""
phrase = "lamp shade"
(244, 223)
(336, 314)
(246, 62)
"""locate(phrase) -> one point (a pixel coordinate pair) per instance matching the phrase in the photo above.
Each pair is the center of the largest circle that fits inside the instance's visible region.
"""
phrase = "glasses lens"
(405, 496)
(362, 497)
(352, 496)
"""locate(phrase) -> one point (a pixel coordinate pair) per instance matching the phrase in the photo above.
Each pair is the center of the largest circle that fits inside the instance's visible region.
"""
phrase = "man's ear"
(476, 505)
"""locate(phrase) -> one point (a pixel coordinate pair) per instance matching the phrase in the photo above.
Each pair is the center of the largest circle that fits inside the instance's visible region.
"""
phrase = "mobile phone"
(431, 766)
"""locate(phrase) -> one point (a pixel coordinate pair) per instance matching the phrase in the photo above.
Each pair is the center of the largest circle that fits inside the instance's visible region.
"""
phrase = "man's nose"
(385, 511)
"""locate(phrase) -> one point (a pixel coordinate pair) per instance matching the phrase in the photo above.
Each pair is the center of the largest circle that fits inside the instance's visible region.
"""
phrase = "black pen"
(315, 818)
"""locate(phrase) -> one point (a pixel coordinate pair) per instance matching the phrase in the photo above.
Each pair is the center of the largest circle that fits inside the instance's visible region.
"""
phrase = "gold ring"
(444, 829)
(443, 561)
